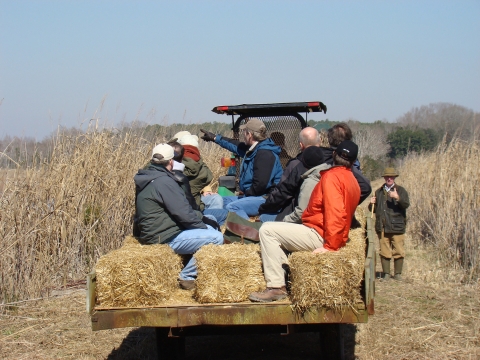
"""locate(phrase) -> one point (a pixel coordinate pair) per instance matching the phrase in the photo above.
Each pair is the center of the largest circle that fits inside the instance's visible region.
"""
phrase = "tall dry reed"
(445, 202)
(60, 214)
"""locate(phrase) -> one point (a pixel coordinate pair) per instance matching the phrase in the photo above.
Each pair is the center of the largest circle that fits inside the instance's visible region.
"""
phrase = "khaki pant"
(278, 237)
(391, 245)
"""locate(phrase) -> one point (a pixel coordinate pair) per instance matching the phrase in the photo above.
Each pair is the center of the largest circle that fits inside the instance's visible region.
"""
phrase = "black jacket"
(185, 185)
(363, 182)
(284, 196)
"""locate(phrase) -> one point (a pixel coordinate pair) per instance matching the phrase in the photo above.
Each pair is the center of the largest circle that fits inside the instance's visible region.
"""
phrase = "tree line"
(381, 143)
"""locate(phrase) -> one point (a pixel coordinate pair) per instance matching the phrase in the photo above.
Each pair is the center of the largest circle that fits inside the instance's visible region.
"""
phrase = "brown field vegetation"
(445, 203)
(60, 215)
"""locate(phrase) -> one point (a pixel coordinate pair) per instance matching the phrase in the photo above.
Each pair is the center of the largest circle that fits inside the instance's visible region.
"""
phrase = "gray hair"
(338, 160)
(258, 135)
(157, 159)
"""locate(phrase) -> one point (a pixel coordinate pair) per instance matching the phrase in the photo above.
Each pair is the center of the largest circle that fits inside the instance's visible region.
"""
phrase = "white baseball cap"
(165, 150)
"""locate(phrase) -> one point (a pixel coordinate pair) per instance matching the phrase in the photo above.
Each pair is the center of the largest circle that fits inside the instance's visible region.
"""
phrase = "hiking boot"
(398, 265)
(269, 294)
(385, 267)
(398, 277)
(186, 284)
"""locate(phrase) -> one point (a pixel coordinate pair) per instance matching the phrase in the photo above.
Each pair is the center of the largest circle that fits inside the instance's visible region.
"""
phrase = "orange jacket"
(332, 205)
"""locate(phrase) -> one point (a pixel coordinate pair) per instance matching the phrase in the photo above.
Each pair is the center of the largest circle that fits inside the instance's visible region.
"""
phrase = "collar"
(387, 189)
(253, 146)
(178, 166)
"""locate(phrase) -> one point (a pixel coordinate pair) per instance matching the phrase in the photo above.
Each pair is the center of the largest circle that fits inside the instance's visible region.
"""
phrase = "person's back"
(197, 172)
(163, 214)
(335, 197)
(260, 169)
(314, 162)
(284, 197)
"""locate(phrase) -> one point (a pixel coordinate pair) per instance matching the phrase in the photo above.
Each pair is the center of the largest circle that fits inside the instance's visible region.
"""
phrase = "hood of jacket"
(145, 176)
(314, 173)
(266, 144)
(192, 167)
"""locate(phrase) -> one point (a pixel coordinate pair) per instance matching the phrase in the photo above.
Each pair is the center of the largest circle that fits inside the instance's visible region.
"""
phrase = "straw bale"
(137, 275)
(130, 241)
(228, 273)
(330, 279)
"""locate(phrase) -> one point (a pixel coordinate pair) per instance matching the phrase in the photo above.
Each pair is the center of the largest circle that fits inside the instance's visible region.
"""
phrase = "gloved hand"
(211, 222)
(209, 136)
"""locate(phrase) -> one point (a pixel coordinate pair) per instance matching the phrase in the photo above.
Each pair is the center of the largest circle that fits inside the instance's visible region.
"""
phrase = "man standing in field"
(390, 206)
(326, 223)
(260, 171)
(164, 216)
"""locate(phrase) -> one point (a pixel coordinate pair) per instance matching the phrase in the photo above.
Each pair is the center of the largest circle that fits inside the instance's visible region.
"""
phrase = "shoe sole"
(275, 298)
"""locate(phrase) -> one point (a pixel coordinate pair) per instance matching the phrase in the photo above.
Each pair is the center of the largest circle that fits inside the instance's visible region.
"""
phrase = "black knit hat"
(347, 150)
(312, 156)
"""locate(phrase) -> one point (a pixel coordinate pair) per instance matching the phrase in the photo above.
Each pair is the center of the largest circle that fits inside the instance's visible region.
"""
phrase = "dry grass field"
(59, 215)
(431, 315)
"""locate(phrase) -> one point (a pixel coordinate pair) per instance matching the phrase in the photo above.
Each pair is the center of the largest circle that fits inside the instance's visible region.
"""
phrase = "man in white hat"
(198, 173)
(391, 203)
(164, 216)
(261, 168)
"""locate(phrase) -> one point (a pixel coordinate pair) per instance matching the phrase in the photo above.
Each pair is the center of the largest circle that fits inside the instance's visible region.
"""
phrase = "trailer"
(173, 323)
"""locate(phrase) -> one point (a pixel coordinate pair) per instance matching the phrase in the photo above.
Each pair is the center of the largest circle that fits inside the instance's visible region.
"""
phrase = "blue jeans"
(220, 215)
(189, 242)
(267, 217)
(213, 201)
(243, 205)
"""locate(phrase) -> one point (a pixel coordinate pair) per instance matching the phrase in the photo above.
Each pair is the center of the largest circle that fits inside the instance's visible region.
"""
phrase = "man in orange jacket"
(326, 223)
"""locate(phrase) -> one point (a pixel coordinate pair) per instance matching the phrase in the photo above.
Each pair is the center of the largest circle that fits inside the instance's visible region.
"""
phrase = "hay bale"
(228, 273)
(331, 279)
(137, 275)
(130, 241)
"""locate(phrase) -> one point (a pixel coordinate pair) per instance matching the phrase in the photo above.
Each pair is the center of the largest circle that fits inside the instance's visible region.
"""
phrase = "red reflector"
(313, 104)
(225, 108)
(227, 162)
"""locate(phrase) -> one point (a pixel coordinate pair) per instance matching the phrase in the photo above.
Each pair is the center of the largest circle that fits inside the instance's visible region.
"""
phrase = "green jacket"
(391, 215)
(199, 176)
(162, 210)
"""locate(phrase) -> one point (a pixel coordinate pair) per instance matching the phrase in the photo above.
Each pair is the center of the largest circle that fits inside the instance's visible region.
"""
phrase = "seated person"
(326, 223)
(314, 163)
(283, 199)
(197, 171)
(219, 214)
(260, 170)
(164, 216)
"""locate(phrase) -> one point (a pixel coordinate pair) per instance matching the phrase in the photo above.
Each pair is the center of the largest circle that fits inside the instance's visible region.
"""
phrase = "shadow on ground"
(141, 344)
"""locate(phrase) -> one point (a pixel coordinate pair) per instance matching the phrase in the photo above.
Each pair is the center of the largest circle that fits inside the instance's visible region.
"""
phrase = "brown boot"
(398, 264)
(385, 267)
(269, 294)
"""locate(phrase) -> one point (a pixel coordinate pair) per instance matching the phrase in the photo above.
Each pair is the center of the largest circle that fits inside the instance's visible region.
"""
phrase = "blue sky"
(170, 62)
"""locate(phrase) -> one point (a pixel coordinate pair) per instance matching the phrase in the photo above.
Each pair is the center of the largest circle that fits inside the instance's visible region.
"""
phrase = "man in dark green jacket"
(163, 214)
(390, 205)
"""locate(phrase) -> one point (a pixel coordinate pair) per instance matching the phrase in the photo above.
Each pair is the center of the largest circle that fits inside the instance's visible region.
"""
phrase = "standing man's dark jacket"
(284, 197)
(162, 210)
(363, 182)
(391, 215)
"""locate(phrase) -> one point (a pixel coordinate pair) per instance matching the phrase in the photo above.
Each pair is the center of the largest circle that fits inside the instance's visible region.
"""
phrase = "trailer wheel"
(331, 341)
(169, 348)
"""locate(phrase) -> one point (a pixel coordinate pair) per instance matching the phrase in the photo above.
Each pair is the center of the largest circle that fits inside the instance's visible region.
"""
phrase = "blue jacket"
(261, 169)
